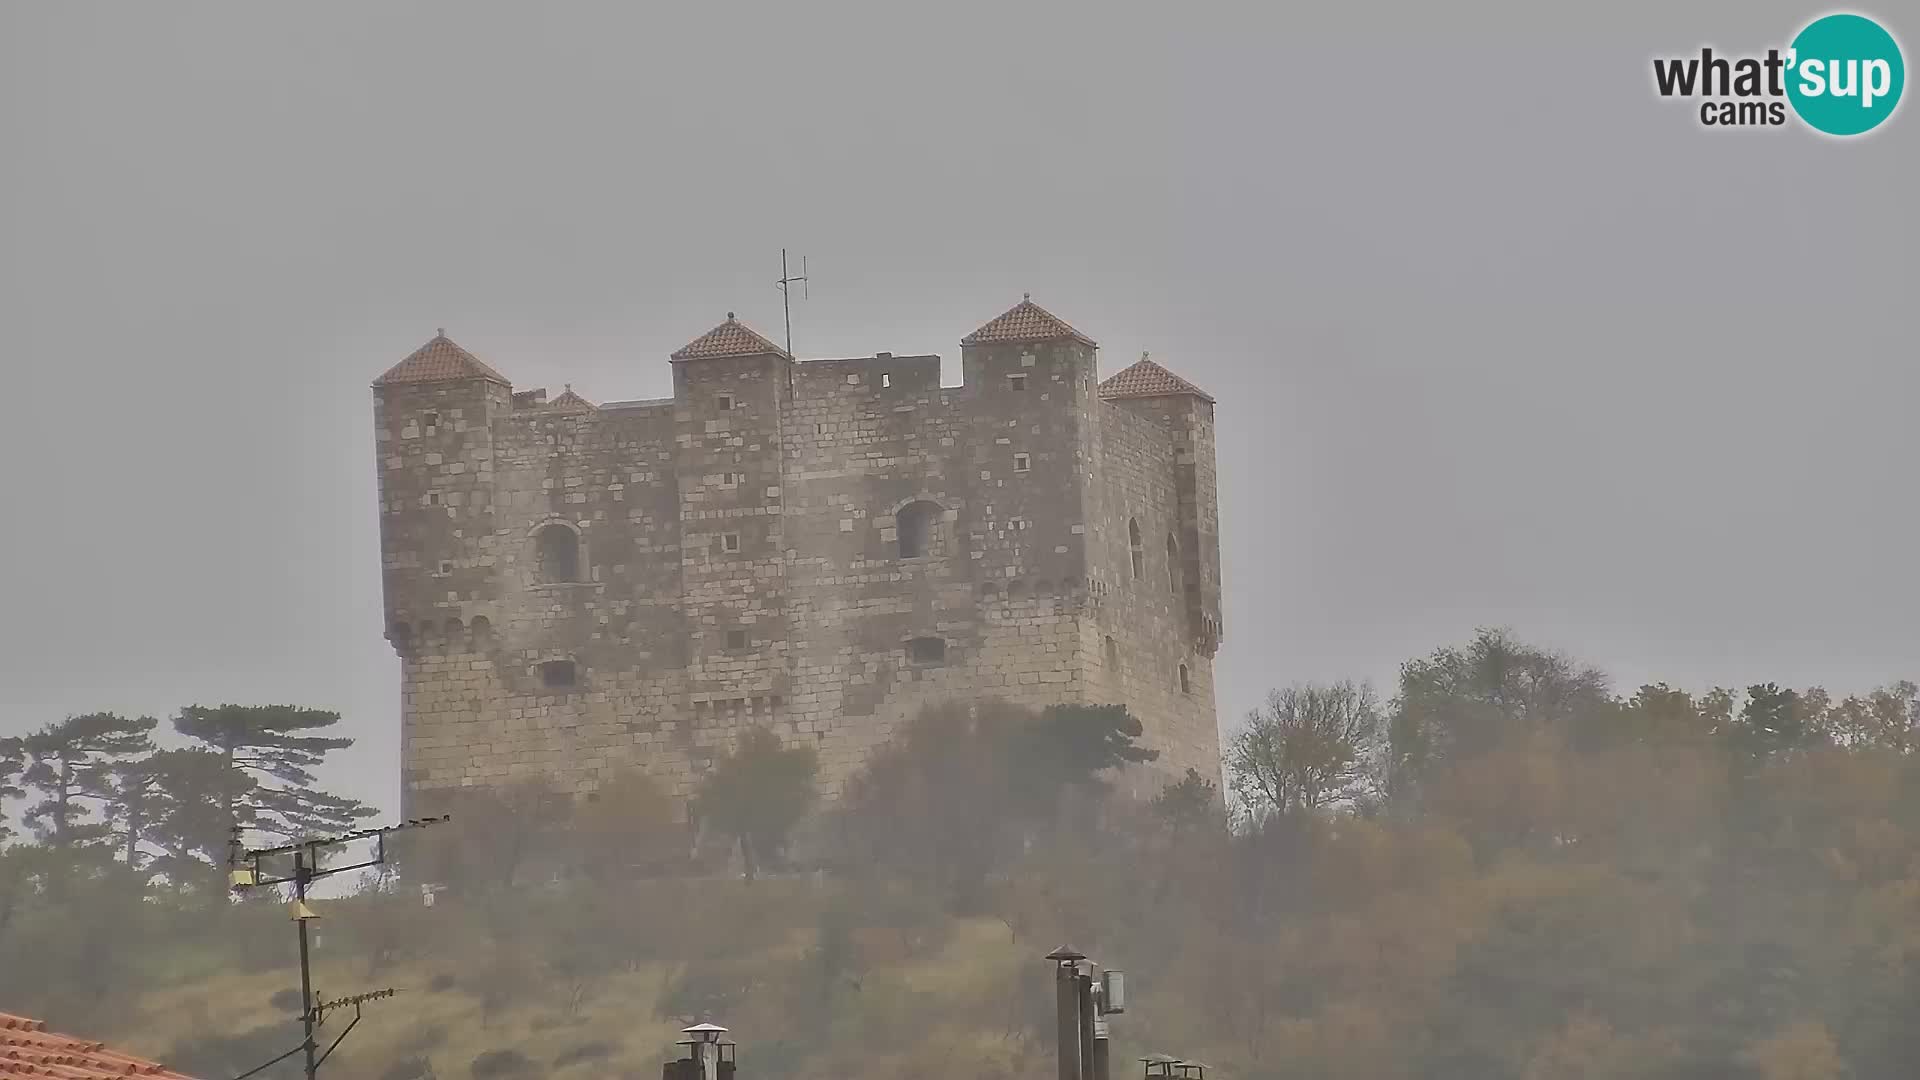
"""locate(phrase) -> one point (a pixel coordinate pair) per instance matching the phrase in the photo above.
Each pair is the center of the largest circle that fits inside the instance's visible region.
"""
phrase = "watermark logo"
(1842, 75)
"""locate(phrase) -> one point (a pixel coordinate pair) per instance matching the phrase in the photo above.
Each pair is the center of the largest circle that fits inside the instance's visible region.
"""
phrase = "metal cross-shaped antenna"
(786, 293)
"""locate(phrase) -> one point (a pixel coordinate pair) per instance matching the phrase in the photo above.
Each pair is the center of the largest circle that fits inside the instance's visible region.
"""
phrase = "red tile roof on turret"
(1025, 321)
(571, 402)
(27, 1048)
(730, 338)
(1148, 379)
(439, 360)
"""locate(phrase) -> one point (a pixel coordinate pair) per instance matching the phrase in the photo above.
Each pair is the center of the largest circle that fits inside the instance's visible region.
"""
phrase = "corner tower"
(433, 421)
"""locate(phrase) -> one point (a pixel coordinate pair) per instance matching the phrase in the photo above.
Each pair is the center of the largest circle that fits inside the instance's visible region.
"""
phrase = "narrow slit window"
(1139, 553)
(1186, 683)
(886, 378)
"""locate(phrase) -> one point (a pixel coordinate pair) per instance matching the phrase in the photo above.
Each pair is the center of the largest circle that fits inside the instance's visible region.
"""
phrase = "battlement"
(820, 547)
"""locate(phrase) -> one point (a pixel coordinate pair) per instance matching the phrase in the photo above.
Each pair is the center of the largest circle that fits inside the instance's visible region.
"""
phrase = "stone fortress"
(818, 547)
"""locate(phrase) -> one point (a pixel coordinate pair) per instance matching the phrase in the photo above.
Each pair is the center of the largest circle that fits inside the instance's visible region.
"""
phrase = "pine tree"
(274, 747)
(13, 758)
(70, 761)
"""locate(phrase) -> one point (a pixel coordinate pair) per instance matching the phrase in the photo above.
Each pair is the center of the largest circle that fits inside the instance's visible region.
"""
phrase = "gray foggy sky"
(1498, 336)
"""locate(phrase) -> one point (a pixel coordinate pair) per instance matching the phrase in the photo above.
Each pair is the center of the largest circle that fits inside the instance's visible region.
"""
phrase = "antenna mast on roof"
(787, 280)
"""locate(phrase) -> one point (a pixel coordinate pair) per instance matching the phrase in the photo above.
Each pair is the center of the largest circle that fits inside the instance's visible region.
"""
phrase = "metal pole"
(786, 302)
(1100, 1069)
(1083, 999)
(300, 871)
(1067, 1001)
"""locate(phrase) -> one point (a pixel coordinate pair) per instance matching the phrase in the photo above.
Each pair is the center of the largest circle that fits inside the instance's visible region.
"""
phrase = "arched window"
(1133, 545)
(1186, 683)
(1175, 572)
(482, 629)
(915, 528)
(559, 548)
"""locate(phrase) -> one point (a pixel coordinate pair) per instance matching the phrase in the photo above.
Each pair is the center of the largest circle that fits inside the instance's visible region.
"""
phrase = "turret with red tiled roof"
(27, 1048)
(1025, 321)
(1148, 379)
(439, 360)
(730, 338)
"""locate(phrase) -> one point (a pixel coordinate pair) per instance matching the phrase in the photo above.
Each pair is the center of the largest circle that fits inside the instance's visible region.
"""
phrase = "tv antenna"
(785, 284)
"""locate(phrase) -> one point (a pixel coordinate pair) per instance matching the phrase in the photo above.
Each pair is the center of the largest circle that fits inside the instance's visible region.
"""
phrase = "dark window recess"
(1113, 653)
(726, 402)
(430, 421)
(559, 554)
(1016, 382)
(1021, 463)
(1176, 584)
(1133, 544)
(729, 542)
(927, 650)
(913, 528)
(433, 498)
(736, 639)
(557, 673)
(1186, 684)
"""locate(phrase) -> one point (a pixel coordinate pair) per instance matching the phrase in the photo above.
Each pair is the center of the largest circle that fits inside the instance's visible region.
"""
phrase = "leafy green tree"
(1192, 802)
(1308, 748)
(70, 763)
(1775, 721)
(277, 747)
(1462, 701)
(758, 793)
(1886, 719)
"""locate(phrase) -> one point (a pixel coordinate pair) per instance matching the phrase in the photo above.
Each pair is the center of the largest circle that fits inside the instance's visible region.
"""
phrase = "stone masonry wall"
(739, 564)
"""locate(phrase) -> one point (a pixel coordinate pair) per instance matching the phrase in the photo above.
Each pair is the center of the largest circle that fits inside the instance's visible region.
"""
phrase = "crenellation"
(821, 547)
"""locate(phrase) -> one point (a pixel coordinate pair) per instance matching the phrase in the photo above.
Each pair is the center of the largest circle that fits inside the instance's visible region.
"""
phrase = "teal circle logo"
(1845, 74)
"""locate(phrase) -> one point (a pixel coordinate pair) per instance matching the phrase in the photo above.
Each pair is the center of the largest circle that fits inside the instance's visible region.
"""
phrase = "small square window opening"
(927, 650)
(736, 639)
(1021, 463)
(725, 401)
(558, 673)
(1016, 382)
(730, 542)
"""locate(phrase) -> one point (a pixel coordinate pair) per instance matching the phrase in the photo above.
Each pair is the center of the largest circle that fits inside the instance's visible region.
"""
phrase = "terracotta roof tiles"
(571, 402)
(439, 360)
(1025, 321)
(730, 338)
(27, 1048)
(1148, 379)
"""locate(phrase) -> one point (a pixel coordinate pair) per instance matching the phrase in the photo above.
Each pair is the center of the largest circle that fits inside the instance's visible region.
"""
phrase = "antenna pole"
(786, 283)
